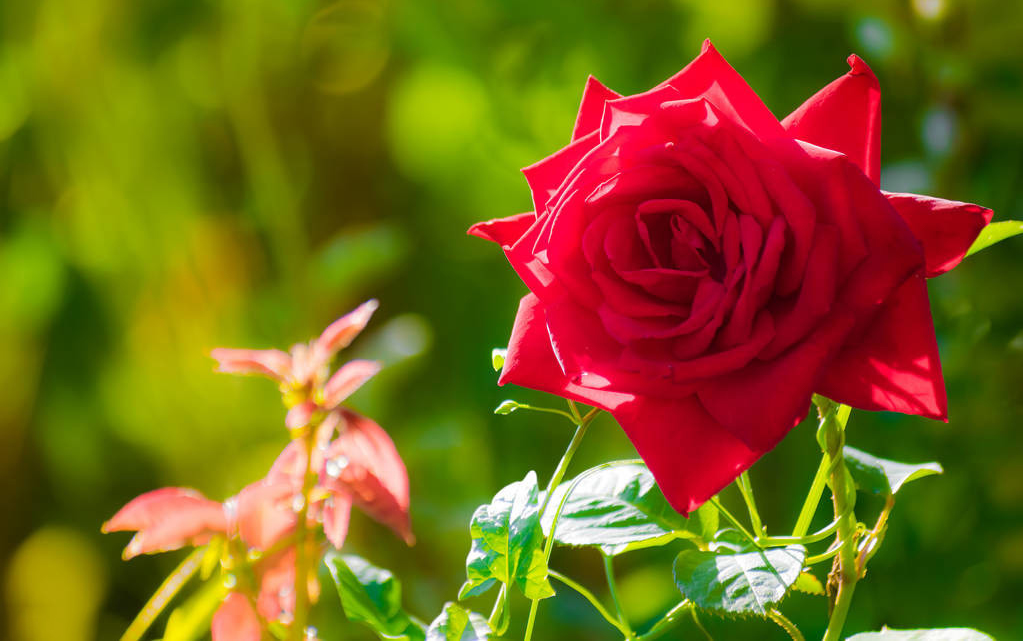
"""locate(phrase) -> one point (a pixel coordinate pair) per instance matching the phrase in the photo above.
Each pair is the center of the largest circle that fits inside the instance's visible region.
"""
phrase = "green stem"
(497, 618)
(699, 625)
(734, 521)
(785, 624)
(297, 631)
(746, 489)
(589, 596)
(612, 586)
(668, 621)
(819, 535)
(824, 556)
(813, 499)
(549, 410)
(831, 435)
(163, 595)
(559, 474)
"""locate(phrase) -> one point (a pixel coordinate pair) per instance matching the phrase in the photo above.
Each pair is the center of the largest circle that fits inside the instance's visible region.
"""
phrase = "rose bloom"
(699, 269)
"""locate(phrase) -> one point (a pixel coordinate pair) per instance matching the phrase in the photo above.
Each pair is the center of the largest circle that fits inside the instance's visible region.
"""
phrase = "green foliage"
(620, 508)
(881, 476)
(996, 233)
(808, 583)
(372, 595)
(507, 543)
(936, 634)
(457, 624)
(192, 619)
(743, 583)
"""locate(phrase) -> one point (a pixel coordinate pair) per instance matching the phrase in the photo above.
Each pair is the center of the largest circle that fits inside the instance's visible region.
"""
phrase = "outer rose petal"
(167, 519)
(265, 362)
(235, 620)
(591, 110)
(760, 403)
(710, 76)
(946, 228)
(530, 361)
(894, 365)
(844, 116)
(504, 231)
(690, 455)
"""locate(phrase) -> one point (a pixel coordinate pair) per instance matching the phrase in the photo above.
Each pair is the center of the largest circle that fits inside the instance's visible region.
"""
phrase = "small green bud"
(497, 357)
(507, 407)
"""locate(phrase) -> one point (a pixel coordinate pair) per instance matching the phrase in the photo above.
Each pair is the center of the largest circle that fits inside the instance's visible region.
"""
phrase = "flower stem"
(170, 587)
(559, 474)
(612, 586)
(301, 614)
(734, 521)
(785, 624)
(831, 436)
(667, 622)
(746, 489)
(589, 596)
(813, 499)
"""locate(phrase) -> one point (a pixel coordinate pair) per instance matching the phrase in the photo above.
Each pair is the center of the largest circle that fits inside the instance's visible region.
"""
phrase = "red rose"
(699, 269)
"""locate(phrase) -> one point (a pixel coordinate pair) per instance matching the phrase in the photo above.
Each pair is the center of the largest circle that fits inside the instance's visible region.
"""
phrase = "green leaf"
(809, 584)
(744, 583)
(507, 407)
(995, 233)
(457, 624)
(372, 595)
(620, 508)
(191, 620)
(881, 476)
(497, 358)
(507, 543)
(935, 634)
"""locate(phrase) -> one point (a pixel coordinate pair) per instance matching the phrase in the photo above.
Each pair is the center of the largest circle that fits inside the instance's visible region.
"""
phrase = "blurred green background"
(181, 174)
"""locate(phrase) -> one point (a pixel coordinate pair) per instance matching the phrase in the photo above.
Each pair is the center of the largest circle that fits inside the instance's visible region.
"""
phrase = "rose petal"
(264, 362)
(844, 116)
(710, 76)
(690, 455)
(504, 231)
(346, 380)
(760, 403)
(544, 177)
(167, 519)
(894, 365)
(235, 620)
(946, 228)
(530, 361)
(591, 109)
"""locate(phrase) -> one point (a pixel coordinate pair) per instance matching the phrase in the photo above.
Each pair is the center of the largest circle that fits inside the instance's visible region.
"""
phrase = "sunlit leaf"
(809, 584)
(620, 508)
(507, 543)
(995, 233)
(935, 634)
(744, 583)
(372, 595)
(881, 476)
(457, 624)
